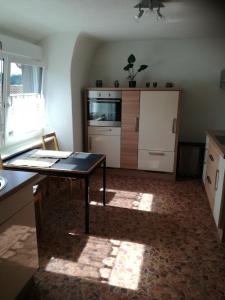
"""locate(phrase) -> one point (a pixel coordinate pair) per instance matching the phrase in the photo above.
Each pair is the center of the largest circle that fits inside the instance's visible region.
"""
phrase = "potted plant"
(130, 69)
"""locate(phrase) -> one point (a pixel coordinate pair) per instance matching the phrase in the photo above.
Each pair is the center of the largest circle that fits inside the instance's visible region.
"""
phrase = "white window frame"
(4, 96)
(8, 59)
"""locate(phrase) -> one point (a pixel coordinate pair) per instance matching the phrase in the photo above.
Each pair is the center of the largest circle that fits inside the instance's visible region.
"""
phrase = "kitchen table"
(77, 165)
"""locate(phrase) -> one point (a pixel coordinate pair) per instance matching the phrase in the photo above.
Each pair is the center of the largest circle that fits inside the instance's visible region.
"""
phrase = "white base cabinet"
(213, 178)
(217, 210)
(105, 140)
(18, 243)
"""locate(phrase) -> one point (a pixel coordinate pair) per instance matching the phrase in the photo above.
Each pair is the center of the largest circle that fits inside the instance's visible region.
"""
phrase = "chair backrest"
(49, 141)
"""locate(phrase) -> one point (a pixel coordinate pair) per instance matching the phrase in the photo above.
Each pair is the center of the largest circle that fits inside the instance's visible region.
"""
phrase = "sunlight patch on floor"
(135, 200)
(112, 262)
(127, 268)
(145, 202)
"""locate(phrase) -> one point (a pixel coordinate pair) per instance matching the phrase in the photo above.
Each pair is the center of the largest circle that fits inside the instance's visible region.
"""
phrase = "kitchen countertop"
(212, 134)
(16, 180)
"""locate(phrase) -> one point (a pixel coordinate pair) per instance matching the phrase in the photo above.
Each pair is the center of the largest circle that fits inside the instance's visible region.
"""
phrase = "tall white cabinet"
(158, 130)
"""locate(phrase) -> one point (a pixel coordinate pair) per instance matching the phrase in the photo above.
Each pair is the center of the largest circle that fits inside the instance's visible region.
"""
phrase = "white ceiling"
(33, 20)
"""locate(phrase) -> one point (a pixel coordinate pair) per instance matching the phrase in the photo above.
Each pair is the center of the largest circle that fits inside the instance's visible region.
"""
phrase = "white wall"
(84, 51)
(58, 52)
(15, 46)
(192, 64)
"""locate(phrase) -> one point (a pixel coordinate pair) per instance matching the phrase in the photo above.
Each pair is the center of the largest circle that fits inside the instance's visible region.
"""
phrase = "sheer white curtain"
(1, 103)
(25, 107)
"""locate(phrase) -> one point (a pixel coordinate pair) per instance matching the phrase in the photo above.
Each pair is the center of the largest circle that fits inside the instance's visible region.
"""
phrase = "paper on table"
(51, 153)
(35, 162)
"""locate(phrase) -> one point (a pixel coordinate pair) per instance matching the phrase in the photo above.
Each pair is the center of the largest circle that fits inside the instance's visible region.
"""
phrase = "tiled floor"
(155, 239)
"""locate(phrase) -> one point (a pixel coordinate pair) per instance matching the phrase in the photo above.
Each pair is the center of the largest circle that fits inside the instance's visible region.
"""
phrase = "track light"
(140, 13)
(150, 5)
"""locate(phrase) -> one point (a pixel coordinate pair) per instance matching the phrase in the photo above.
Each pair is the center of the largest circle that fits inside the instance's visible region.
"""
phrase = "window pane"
(25, 109)
(1, 102)
(25, 79)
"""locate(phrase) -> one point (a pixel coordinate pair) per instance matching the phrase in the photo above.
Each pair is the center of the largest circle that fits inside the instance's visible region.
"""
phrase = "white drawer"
(104, 130)
(155, 160)
(108, 145)
(10, 205)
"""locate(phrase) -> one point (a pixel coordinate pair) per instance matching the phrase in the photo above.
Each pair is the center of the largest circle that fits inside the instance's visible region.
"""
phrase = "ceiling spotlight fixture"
(149, 5)
(140, 13)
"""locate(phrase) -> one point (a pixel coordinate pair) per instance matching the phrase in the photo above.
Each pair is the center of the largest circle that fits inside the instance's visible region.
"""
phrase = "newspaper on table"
(35, 162)
(51, 154)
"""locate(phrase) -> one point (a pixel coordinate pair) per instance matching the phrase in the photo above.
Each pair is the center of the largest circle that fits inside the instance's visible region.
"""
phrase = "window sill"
(8, 152)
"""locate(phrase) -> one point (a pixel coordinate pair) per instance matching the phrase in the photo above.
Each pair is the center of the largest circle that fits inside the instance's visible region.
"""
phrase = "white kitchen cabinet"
(158, 130)
(213, 176)
(149, 131)
(18, 243)
(205, 160)
(105, 140)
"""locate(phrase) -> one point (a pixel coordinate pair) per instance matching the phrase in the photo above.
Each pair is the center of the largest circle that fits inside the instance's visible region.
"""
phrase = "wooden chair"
(49, 142)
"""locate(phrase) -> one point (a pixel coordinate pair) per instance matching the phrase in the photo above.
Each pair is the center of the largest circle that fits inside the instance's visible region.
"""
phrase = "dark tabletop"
(77, 163)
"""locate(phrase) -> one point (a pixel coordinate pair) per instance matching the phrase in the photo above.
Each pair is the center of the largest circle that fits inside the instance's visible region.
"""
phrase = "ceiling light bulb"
(140, 14)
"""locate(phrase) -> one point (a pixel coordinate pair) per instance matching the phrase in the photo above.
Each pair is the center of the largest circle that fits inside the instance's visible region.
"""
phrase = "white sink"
(3, 182)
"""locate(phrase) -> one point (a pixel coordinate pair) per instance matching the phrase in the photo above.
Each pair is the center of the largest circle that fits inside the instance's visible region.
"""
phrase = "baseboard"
(139, 173)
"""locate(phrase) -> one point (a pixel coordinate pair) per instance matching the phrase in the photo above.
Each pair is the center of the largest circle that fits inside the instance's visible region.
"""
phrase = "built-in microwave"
(104, 108)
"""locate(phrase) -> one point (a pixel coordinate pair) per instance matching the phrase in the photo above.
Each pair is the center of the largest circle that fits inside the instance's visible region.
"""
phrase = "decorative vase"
(132, 84)
(116, 84)
(98, 83)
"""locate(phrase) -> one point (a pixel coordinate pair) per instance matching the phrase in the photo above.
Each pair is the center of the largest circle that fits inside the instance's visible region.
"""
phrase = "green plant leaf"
(131, 59)
(142, 67)
(127, 67)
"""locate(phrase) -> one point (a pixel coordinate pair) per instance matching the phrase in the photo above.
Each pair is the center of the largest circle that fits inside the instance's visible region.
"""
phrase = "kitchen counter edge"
(15, 181)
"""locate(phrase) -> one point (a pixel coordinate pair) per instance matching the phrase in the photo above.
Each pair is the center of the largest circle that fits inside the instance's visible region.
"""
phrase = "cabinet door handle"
(137, 124)
(217, 179)
(99, 129)
(208, 179)
(211, 157)
(156, 153)
(90, 143)
(174, 126)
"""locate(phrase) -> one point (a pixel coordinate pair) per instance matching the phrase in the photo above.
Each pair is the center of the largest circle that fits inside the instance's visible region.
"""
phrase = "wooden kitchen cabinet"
(129, 129)
(149, 130)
